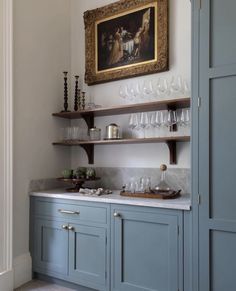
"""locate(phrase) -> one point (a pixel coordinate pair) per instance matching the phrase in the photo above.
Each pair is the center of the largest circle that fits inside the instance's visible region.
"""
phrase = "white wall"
(41, 53)
(150, 155)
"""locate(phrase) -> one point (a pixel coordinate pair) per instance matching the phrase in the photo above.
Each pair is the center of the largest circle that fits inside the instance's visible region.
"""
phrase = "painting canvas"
(131, 42)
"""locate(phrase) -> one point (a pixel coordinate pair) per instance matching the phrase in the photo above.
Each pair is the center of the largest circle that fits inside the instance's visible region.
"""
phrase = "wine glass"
(144, 122)
(147, 90)
(162, 88)
(176, 86)
(186, 89)
(123, 92)
(171, 118)
(133, 123)
(184, 121)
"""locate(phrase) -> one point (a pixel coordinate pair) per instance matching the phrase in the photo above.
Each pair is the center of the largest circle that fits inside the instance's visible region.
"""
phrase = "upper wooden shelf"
(127, 109)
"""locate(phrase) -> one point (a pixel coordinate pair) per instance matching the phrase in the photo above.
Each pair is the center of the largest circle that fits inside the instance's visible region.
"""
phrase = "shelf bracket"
(89, 119)
(172, 148)
(89, 149)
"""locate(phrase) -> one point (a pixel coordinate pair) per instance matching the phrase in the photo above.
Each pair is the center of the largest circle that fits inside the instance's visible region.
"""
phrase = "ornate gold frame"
(159, 64)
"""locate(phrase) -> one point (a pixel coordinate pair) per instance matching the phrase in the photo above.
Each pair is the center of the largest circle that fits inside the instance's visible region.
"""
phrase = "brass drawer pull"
(65, 227)
(71, 228)
(68, 211)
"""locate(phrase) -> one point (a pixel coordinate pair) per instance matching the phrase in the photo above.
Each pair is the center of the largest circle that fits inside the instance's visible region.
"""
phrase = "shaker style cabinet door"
(50, 247)
(87, 256)
(215, 168)
(144, 251)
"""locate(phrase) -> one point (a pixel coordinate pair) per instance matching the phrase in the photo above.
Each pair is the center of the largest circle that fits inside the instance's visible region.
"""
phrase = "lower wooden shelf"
(88, 145)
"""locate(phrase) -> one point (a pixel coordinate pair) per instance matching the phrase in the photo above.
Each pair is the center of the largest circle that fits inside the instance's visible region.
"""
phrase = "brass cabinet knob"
(71, 228)
(116, 214)
(65, 227)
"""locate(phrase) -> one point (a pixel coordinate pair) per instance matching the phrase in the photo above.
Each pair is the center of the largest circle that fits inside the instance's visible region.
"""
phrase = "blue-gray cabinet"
(111, 247)
(146, 252)
(214, 143)
(50, 243)
(69, 241)
(87, 255)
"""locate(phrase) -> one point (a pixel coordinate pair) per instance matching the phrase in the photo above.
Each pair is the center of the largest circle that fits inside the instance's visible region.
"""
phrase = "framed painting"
(126, 39)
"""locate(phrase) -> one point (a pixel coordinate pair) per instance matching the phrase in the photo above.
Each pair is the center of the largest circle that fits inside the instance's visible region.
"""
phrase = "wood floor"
(37, 285)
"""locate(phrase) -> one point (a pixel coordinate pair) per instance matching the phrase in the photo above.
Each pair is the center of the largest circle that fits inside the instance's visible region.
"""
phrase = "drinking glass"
(134, 92)
(147, 90)
(184, 121)
(144, 122)
(131, 186)
(176, 86)
(171, 118)
(147, 185)
(75, 133)
(162, 88)
(123, 92)
(133, 124)
(186, 89)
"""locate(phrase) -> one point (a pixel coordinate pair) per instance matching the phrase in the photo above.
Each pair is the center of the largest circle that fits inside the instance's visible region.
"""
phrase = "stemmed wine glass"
(184, 121)
(162, 88)
(133, 123)
(176, 86)
(144, 122)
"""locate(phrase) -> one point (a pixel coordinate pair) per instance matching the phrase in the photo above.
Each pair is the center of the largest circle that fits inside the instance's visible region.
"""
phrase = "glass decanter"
(163, 185)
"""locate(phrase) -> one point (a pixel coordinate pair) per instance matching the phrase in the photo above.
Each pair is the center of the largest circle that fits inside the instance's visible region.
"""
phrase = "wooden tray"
(153, 195)
(78, 183)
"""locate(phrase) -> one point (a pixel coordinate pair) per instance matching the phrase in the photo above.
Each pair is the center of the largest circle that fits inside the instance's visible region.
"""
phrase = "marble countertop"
(182, 203)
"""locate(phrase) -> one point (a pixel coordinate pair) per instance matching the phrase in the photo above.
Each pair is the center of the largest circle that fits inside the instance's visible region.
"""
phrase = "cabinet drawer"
(94, 214)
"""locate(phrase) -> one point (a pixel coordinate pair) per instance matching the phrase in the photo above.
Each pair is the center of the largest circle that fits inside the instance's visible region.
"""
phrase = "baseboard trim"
(22, 270)
(6, 281)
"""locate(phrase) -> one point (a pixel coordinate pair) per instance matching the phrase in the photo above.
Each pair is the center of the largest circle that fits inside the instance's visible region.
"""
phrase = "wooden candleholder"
(76, 107)
(65, 93)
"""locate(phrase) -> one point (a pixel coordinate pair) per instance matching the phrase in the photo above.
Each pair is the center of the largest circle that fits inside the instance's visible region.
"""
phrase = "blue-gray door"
(144, 251)
(51, 247)
(87, 256)
(217, 145)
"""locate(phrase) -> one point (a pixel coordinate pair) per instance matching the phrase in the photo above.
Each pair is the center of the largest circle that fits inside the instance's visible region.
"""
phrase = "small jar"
(95, 133)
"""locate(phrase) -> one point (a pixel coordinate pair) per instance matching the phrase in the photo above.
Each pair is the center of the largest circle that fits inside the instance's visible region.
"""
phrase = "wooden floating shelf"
(88, 146)
(124, 141)
(89, 114)
(125, 109)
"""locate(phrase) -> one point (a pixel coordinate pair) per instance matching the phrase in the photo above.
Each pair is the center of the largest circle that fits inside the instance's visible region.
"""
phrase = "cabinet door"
(215, 168)
(87, 255)
(144, 251)
(51, 247)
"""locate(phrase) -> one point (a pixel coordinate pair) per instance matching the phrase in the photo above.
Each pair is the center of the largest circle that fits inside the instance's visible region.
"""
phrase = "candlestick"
(83, 100)
(76, 92)
(65, 93)
(79, 98)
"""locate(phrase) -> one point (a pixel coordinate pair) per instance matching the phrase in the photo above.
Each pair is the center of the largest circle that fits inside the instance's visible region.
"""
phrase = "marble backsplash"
(115, 178)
